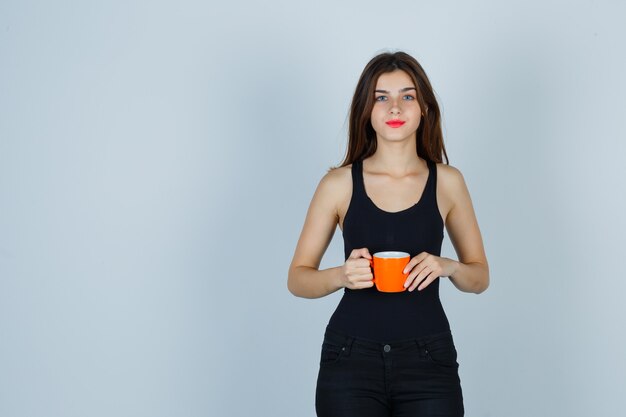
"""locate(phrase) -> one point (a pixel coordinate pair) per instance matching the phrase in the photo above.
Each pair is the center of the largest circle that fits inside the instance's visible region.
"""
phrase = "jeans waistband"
(346, 340)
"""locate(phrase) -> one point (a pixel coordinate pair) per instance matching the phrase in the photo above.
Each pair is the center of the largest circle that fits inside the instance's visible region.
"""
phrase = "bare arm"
(304, 278)
(307, 282)
(471, 272)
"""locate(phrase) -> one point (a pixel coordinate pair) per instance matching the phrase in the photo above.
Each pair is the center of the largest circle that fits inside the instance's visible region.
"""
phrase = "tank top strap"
(430, 190)
(432, 176)
(358, 188)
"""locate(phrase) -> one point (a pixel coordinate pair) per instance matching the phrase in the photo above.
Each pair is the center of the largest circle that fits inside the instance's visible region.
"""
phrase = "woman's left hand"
(429, 267)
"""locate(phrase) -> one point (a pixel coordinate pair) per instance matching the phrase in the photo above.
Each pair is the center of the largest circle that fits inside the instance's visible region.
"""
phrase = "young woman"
(390, 354)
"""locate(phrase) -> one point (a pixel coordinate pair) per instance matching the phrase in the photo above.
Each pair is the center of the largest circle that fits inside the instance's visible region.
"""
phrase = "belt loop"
(421, 347)
(348, 345)
(420, 343)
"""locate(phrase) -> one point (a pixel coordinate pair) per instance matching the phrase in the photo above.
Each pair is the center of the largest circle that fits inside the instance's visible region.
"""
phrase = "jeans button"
(387, 348)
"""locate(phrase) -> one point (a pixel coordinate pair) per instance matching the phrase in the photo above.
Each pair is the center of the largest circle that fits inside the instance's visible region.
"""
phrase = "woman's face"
(395, 98)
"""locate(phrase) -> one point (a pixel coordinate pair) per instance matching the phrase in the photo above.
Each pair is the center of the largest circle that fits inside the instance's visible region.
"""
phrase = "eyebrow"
(401, 90)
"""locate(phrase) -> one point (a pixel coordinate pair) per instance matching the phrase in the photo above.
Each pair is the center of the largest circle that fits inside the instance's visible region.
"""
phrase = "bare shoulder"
(451, 188)
(336, 177)
(337, 184)
(449, 176)
(321, 219)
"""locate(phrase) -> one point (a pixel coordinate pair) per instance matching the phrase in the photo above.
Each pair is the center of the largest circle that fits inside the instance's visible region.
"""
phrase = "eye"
(379, 97)
(409, 96)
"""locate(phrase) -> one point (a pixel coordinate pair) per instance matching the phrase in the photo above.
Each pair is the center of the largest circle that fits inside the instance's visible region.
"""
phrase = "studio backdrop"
(157, 160)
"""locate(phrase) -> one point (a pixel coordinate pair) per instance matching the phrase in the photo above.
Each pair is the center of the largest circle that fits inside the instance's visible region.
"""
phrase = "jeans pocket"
(442, 353)
(331, 353)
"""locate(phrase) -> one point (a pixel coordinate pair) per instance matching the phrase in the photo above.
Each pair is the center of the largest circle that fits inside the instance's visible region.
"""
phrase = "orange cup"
(387, 270)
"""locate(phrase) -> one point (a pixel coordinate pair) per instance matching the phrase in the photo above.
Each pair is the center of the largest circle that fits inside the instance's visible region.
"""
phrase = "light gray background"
(157, 161)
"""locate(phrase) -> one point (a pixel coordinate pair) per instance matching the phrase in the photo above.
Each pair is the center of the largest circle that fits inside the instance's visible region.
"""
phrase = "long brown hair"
(361, 134)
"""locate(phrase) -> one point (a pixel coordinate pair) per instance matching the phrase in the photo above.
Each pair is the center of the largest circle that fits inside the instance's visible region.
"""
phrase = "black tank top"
(381, 316)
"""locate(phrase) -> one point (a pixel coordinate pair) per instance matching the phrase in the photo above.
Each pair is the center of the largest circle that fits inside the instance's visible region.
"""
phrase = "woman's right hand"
(356, 273)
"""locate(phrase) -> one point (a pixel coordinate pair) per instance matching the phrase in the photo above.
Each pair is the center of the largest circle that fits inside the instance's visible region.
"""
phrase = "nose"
(395, 108)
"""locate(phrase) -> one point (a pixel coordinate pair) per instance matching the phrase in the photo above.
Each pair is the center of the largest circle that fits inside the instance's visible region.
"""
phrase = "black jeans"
(413, 377)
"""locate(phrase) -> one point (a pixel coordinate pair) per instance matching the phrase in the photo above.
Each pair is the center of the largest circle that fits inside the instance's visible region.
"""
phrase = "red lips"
(395, 123)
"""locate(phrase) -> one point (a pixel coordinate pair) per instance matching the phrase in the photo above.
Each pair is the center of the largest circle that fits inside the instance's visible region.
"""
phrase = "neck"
(396, 158)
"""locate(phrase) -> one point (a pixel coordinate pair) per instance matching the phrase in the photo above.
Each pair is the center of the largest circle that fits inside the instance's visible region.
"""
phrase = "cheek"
(378, 115)
(376, 121)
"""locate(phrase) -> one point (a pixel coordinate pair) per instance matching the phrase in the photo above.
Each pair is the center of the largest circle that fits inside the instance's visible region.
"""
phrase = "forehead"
(397, 78)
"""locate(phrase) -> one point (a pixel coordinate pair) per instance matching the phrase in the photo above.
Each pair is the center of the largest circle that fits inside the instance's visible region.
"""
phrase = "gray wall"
(157, 161)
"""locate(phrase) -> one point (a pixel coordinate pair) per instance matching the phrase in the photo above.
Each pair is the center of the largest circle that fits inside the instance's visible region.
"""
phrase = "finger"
(357, 284)
(415, 261)
(358, 268)
(414, 275)
(420, 277)
(366, 276)
(364, 284)
(363, 263)
(427, 281)
(409, 279)
(362, 271)
(430, 279)
(360, 253)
